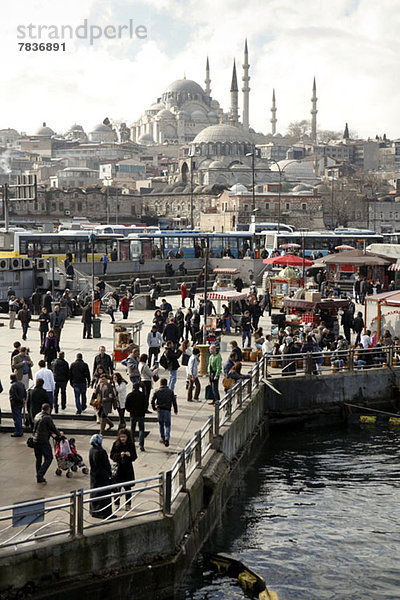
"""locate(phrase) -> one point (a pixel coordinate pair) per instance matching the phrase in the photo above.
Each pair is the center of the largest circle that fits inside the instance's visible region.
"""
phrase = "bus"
(125, 230)
(321, 242)
(259, 227)
(188, 244)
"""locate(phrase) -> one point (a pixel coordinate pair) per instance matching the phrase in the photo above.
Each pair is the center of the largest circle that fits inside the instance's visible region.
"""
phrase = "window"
(53, 206)
(246, 207)
(133, 209)
(267, 206)
(287, 205)
(79, 207)
(61, 205)
(304, 206)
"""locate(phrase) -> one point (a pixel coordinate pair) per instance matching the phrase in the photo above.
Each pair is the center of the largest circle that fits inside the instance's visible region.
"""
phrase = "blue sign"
(28, 514)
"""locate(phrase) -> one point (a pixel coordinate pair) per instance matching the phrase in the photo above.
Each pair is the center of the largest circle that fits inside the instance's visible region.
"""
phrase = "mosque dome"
(238, 188)
(294, 169)
(184, 85)
(238, 166)
(165, 114)
(101, 128)
(212, 115)
(300, 188)
(157, 106)
(44, 131)
(146, 140)
(76, 127)
(221, 133)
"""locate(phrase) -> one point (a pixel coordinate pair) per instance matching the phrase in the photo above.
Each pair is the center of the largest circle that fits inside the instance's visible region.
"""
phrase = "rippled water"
(318, 516)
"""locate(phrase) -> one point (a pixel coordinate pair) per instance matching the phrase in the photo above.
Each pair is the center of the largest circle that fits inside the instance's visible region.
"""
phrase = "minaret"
(246, 88)
(234, 112)
(207, 80)
(314, 114)
(273, 111)
(346, 134)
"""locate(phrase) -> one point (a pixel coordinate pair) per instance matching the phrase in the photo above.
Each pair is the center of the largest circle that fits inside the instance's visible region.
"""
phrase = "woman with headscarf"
(123, 453)
(100, 476)
(51, 348)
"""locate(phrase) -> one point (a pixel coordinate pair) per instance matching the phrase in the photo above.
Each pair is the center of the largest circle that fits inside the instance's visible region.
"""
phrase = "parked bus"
(321, 241)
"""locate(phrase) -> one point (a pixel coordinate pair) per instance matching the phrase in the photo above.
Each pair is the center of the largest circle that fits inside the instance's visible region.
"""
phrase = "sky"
(350, 46)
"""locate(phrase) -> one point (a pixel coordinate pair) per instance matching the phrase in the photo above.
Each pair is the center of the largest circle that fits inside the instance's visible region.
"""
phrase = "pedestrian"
(44, 320)
(363, 290)
(79, 378)
(57, 320)
(171, 331)
(48, 379)
(358, 326)
(10, 292)
(104, 360)
(146, 376)
(51, 348)
(43, 428)
(36, 397)
(87, 319)
(61, 377)
(171, 363)
(165, 308)
(162, 402)
(17, 395)
(104, 261)
(158, 321)
(195, 325)
(184, 293)
(24, 315)
(47, 300)
(36, 300)
(132, 366)
(17, 346)
(100, 476)
(238, 352)
(107, 401)
(238, 283)
(347, 323)
(22, 366)
(192, 294)
(154, 343)
(228, 364)
(193, 376)
(121, 388)
(136, 405)
(125, 306)
(245, 324)
(111, 308)
(136, 287)
(289, 363)
(13, 307)
(123, 453)
(214, 371)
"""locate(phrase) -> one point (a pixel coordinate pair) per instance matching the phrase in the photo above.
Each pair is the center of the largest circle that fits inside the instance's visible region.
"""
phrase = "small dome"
(157, 106)
(76, 127)
(300, 188)
(101, 128)
(295, 169)
(45, 131)
(239, 188)
(239, 166)
(165, 114)
(183, 113)
(221, 133)
(146, 139)
(212, 115)
(216, 164)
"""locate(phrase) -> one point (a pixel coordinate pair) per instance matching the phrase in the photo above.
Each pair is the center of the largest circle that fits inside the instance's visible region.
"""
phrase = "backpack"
(164, 361)
(227, 382)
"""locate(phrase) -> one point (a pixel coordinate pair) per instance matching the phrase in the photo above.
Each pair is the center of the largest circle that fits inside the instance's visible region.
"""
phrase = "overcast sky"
(351, 46)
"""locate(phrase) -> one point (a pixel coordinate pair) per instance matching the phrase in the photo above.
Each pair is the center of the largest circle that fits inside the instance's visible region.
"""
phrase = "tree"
(299, 129)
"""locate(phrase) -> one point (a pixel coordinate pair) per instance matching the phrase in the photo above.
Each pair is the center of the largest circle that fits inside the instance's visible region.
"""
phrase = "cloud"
(350, 46)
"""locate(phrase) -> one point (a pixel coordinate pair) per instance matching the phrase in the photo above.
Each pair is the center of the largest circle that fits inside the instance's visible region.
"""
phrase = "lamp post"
(281, 171)
(252, 154)
(191, 194)
(92, 239)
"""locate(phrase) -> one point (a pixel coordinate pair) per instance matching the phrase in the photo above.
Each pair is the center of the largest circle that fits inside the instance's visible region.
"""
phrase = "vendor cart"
(286, 281)
(232, 299)
(126, 336)
(225, 277)
(300, 312)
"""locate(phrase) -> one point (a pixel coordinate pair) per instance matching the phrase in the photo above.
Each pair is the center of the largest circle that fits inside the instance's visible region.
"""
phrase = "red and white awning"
(394, 267)
(225, 295)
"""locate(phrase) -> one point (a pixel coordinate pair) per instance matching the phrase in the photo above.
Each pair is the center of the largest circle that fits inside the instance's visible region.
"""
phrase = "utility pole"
(207, 249)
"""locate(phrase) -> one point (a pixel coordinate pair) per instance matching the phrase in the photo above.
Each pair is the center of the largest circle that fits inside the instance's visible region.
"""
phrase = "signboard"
(28, 513)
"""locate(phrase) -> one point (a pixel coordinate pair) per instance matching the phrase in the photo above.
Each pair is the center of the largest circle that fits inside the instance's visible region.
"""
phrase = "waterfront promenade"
(17, 460)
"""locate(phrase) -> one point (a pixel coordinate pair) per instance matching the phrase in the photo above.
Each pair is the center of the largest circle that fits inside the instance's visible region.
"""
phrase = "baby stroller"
(67, 457)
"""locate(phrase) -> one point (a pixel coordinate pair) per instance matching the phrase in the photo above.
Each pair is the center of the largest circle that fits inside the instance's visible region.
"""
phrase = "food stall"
(126, 337)
(286, 281)
(225, 277)
(381, 312)
(312, 310)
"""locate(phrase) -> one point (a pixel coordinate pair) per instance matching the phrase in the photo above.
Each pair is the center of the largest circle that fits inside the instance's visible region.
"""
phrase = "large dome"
(221, 133)
(44, 131)
(184, 85)
(101, 128)
(295, 169)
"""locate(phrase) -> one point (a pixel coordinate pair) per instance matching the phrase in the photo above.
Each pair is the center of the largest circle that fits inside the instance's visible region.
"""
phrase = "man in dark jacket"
(162, 402)
(245, 324)
(24, 315)
(136, 404)
(17, 395)
(57, 320)
(43, 428)
(238, 283)
(172, 356)
(87, 318)
(35, 399)
(171, 333)
(79, 377)
(47, 300)
(61, 377)
(347, 323)
(36, 300)
(358, 326)
(103, 360)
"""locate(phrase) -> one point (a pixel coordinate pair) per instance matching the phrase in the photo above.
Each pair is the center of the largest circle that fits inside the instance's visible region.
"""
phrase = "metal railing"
(327, 361)
(36, 520)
